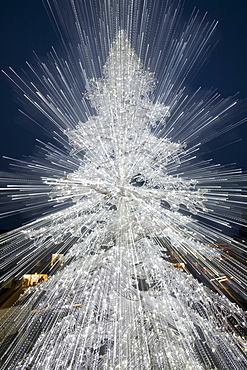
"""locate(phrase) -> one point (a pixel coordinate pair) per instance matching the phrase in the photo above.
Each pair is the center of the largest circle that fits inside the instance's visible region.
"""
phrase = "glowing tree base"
(125, 308)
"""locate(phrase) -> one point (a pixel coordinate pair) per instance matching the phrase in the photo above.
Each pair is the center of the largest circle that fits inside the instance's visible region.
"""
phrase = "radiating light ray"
(122, 190)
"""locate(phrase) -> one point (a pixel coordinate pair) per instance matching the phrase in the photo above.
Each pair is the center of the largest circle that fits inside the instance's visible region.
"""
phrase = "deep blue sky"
(25, 26)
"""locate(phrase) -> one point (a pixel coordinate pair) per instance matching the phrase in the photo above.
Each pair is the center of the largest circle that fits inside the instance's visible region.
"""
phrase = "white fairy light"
(125, 189)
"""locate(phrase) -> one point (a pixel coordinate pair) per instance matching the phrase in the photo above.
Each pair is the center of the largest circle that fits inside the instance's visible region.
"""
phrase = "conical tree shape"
(117, 304)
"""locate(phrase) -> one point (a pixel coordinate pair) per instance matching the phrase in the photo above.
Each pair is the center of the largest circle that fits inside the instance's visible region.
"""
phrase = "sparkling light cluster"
(121, 192)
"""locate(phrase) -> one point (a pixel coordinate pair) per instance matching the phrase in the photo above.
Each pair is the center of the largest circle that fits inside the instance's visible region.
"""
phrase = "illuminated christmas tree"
(122, 194)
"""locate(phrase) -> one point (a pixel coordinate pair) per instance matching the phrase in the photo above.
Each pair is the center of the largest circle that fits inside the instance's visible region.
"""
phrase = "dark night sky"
(25, 26)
